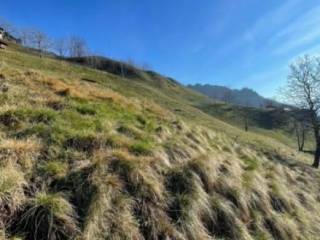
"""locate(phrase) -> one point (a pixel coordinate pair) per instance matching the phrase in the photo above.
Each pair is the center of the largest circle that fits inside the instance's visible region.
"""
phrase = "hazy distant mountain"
(244, 96)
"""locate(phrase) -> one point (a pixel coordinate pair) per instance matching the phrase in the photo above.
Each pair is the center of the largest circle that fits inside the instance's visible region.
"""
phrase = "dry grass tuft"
(48, 216)
(19, 152)
(12, 184)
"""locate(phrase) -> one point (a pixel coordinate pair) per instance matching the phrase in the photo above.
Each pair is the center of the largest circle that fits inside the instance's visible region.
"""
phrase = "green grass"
(108, 162)
(55, 169)
(142, 147)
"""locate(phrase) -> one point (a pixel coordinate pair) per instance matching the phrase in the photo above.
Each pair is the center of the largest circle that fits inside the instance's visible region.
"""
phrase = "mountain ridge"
(244, 97)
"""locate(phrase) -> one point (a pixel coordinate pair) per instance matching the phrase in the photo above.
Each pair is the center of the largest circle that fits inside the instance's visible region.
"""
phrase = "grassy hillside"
(274, 123)
(86, 154)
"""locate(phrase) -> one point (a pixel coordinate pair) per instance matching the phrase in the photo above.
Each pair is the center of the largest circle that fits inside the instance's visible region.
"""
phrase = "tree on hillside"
(303, 91)
(301, 127)
(227, 97)
(60, 47)
(245, 116)
(40, 41)
(77, 47)
(25, 35)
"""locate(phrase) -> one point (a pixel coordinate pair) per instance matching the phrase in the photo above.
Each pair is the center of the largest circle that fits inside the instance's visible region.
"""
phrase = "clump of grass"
(280, 227)
(54, 169)
(142, 147)
(110, 214)
(251, 163)
(141, 181)
(85, 142)
(14, 118)
(21, 152)
(43, 115)
(12, 195)
(63, 92)
(86, 110)
(189, 207)
(226, 149)
(206, 168)
(130, 131)
(141, 120)
(55, 104)
(180, 181)
(178, 151)
(224, 223)
(48, 216)
(146, 187)
(10, 119)
(279, 200)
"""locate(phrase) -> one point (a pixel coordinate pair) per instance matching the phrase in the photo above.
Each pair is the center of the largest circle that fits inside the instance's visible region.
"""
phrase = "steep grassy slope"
(85, 154)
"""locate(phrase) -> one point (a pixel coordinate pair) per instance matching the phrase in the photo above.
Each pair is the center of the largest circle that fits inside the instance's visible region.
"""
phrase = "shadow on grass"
(311, 152)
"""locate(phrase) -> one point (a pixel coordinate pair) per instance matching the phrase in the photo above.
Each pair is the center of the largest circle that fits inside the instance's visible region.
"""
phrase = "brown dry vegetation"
(81, 161)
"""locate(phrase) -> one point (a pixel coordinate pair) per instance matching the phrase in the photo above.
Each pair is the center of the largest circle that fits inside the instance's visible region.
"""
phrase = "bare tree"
(227, 97)
(40, 41)
(146, 66)
(60, 46)
(303, 90)
(245, 115)
(301, 126)
(26, 37)
(94, 61)
(77, 47)
(300, 130)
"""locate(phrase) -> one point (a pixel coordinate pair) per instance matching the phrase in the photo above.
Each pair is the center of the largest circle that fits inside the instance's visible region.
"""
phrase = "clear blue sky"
(235, 43)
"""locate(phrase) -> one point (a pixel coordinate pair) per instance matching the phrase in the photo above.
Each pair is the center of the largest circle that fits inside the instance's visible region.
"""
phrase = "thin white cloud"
(306, 21)
(314, 50)
(265, 26)
(305, 30)
(272, 20)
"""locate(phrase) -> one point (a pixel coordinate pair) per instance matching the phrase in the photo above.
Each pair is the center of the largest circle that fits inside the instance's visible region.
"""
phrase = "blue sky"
(235, 43)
